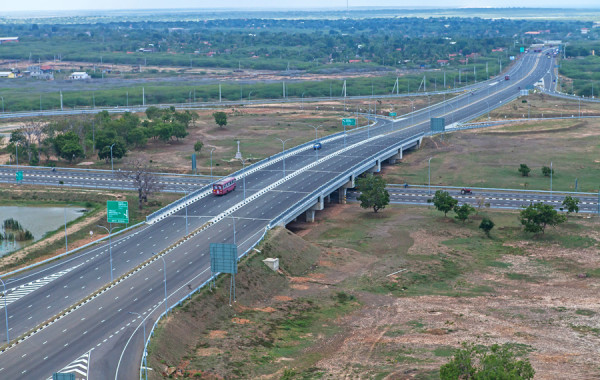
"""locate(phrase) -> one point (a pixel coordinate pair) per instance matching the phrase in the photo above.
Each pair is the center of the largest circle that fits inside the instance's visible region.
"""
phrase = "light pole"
(211, 172)
(17, 154)
(186, 213)
(5, 311)
(429, 175)
(244, 172)
(2, 103)
(109, 247)
(550, 178)
(145, 358)
(412, 110)
(165, 273)
(301, 104)
(250, 93)
(66, 239)
(488, 109)
(283, 150)
(316, 138)
(111, 158)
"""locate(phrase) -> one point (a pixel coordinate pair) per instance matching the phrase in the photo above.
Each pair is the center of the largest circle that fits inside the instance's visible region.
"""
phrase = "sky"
(71, 5)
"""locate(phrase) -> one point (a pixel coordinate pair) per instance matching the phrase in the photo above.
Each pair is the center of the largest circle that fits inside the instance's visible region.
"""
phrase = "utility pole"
(219, 92)
(143, 96)
(61, 100)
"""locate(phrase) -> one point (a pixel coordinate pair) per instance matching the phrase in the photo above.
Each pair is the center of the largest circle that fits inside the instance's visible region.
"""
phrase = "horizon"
(266, 7)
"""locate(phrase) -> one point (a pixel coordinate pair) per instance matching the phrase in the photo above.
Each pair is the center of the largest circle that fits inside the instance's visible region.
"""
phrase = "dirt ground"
(418, 285)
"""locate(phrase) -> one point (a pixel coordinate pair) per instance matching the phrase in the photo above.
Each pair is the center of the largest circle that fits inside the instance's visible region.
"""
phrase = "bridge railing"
(342, 177)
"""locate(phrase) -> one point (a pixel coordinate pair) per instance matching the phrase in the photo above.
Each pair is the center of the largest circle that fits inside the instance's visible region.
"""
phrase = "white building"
(79, 75)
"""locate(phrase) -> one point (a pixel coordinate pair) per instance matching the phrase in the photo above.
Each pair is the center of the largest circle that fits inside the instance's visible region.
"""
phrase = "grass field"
(391, 294)
(490, 157)
(539, 106)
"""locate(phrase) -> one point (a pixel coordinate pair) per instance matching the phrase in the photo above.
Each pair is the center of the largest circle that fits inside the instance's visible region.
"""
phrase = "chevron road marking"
(80, 367)
(15, 294)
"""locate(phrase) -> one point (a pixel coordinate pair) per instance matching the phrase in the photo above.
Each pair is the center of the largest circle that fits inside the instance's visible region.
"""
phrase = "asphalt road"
(496, 199)
(95, 179)
(103, 327)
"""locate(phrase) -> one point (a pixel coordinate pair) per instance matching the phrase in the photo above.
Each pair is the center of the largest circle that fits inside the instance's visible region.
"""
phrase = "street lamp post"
(110, 247)
(5, 311)
(165, 274)
(302, 101)
(211, 170)
(17, 154)
(316, 138)
(2, 103)
(244, 173)
(111, 158)
(412, 111)
(66, 239)
(186, 212)
(145, 354)
(283, 150)
(550, 178)
(429, 175)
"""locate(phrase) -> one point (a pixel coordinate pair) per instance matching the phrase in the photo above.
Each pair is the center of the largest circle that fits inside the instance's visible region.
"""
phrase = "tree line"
(73, 139)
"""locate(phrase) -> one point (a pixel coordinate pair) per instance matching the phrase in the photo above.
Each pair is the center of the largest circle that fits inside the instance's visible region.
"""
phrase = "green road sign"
(522, 49)
(117, 212)
(63, 376)
(349, 122)
(19, 175)
(392, 114)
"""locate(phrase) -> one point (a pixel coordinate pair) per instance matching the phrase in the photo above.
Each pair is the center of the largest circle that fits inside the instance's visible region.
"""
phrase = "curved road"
(103, 336)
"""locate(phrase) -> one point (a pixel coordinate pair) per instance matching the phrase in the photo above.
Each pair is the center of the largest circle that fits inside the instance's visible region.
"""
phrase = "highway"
(96, 178)
(104, 335)
(509, 199)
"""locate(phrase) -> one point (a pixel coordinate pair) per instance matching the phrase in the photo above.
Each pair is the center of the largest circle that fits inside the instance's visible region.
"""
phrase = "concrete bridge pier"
(310, 213)
(398, 156)
(376, 168)
(342, 191)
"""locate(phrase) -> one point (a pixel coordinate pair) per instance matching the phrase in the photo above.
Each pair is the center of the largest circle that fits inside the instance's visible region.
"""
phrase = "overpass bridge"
(67, 309)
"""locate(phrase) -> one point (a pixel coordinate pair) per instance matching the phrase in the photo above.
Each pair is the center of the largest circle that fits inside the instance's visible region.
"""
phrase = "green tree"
(463, 212)
(546, 171)
(71, 150)
(119, 151)
(524, 170)
(536, 217)
(153, 113)
(179, 130)
(486, 225)
(373, 193)
(481, 363)
(65, 145)
(198, 146)
(571, 204)
(444, 202)
(220, 118)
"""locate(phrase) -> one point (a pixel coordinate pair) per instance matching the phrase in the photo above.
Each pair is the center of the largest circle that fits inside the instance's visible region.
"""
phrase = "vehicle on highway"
(224, 186)
(466, 191)
(317, 145)
(506, 77)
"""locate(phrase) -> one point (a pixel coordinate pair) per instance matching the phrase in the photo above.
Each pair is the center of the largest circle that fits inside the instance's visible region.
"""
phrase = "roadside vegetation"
(94, 202)
(368, 295)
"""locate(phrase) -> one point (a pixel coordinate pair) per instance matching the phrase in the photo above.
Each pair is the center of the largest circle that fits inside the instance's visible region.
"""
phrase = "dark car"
(317, 145)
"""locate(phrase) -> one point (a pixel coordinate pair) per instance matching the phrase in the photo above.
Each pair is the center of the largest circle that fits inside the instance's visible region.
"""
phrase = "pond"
(38, 220)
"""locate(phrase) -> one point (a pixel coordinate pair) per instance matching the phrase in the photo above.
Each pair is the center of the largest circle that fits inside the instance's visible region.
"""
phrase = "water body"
(38, 220)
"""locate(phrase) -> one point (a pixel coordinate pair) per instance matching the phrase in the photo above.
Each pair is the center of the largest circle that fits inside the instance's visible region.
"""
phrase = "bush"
(480, 363)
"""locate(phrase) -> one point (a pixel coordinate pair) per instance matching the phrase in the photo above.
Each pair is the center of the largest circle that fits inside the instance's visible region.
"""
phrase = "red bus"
(224, 186)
